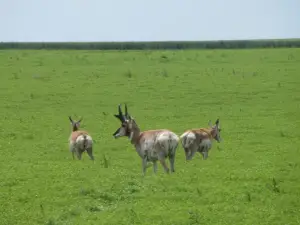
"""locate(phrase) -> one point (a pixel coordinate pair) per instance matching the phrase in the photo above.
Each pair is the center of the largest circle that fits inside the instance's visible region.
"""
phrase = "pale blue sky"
(145, 20)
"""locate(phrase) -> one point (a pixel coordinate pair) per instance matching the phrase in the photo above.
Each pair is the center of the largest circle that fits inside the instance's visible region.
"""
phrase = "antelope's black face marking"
(123, 130)
(75, 124)
(218, 130)
(125, 120)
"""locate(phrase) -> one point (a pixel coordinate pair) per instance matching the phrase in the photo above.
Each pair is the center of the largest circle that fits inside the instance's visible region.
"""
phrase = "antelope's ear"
(209, 123)
(80, 120)
(132, 119)
(218, 124)
(70, 119)
(118, 117)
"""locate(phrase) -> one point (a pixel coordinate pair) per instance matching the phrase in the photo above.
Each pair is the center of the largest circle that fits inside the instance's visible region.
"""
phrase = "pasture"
(252, 177)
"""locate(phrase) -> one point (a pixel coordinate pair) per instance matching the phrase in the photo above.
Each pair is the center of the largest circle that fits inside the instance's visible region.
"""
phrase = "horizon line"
(225, 40)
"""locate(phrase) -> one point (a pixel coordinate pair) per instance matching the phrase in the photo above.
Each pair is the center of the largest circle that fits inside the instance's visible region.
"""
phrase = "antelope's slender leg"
(72, 150)
(172, 162)
(205, 155)
(172, 158)
(162, 159)
(78, 153)
(202, 154)
(90, 152)
(155, 166)
(163, 163)
(144, 164)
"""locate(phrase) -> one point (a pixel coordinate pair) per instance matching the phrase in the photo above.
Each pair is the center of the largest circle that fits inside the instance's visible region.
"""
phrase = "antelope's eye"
(123, 125)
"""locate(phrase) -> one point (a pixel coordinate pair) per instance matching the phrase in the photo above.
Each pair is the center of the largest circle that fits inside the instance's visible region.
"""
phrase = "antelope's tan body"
(199, 140)
(151, 145)
(80, 141)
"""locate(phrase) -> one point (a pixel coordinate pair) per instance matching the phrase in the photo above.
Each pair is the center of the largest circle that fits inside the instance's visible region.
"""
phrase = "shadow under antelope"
(200, 140)
(151, 145)
(80, 141)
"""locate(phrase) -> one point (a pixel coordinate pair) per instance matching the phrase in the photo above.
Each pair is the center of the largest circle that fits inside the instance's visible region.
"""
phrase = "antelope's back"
(74, 135)
(194, 136)
(201, 133)
(149, 134)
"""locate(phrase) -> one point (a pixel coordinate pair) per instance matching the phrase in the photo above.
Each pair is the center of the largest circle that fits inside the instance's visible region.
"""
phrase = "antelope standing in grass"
(200, 140)
(80, 141)
(151, 145)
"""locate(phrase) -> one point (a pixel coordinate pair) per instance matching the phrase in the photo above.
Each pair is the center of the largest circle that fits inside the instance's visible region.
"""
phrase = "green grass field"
(252, 177)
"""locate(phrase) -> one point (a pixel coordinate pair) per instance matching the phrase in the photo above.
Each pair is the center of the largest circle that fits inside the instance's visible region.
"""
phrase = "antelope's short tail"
(183, 138)
(84, 142)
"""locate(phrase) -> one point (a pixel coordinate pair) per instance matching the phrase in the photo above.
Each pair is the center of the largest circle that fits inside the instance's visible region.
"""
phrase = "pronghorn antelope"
(200, 140)
(151, 145)
(80, 141)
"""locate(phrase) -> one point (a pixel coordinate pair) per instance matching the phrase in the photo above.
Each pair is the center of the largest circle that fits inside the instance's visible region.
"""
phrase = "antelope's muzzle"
(116, 134)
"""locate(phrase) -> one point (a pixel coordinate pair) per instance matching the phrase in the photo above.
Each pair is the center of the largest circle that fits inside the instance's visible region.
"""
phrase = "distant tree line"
(172, 45)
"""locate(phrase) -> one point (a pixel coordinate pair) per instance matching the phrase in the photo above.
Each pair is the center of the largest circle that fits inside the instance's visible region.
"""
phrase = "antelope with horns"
(151, 145)
(80, 141)
(200, 140)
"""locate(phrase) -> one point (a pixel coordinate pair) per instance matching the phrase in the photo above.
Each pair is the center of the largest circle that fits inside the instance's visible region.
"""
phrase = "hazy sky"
(145, 20)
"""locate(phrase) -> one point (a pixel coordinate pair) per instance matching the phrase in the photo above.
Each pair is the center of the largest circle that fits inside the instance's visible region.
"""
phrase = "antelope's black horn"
(120, 110)
(120, 116)
(126, 111)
